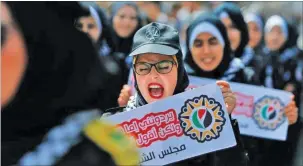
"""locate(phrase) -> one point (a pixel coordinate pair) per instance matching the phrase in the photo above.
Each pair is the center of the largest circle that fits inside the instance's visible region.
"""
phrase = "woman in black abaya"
(51, 81)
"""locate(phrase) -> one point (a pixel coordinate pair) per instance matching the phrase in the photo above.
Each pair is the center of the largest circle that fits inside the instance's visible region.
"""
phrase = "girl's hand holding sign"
(124, 95)
(228, 95)
(291, 112)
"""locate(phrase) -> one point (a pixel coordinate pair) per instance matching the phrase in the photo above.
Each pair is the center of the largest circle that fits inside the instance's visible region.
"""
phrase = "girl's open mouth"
(155, 90)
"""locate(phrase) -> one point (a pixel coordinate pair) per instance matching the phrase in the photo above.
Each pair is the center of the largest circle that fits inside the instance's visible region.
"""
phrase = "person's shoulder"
(237, 63)
(235, 66)
(80, 134)
(290, 56)
(112, 111)
(243, 73)
(131, 104)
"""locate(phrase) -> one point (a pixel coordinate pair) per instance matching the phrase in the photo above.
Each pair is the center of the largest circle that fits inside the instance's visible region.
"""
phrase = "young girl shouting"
(159, 69)
(159, 73)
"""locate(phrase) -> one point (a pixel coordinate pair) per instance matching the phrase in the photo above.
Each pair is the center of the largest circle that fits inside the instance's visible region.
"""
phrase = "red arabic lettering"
(145, 139)
(170, 130)
(129, 128)
(153, 127)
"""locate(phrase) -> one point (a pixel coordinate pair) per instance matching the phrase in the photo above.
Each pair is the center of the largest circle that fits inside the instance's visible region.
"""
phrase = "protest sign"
(259, 110)
(179, 127)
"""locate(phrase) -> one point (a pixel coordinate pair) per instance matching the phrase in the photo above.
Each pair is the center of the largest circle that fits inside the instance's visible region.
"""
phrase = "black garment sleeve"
(235, 156)
(86, 153)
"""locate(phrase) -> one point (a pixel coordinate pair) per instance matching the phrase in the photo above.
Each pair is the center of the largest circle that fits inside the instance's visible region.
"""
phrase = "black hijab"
(290, 44)
(293, 37)
(258, 19)
(63, 74)
(123, 45)
(236, 16)
(227, 57)
(104, 40)
(282, 61)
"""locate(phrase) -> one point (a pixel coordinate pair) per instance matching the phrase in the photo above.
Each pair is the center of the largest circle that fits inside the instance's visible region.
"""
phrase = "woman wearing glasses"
(158, 68)
(159, 73)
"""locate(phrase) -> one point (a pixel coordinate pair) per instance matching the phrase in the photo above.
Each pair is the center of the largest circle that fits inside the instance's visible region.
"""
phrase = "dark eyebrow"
(212, 38)
(198, 40)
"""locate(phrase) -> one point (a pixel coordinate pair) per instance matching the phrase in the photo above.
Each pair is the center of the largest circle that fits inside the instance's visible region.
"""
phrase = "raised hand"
(228, 95)
(125, 94)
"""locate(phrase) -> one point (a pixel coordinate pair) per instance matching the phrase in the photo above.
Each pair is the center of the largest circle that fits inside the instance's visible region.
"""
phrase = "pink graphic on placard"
(191, 86)
(245, 105)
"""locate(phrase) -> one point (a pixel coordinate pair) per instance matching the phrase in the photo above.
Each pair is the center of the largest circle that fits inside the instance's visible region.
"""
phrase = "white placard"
(259, 110)
(252, 101)
(178, 127)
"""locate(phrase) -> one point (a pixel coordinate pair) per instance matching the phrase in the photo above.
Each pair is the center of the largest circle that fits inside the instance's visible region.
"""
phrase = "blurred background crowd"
(64, 81)
(119, 23)
(179, 13)
(124, 21)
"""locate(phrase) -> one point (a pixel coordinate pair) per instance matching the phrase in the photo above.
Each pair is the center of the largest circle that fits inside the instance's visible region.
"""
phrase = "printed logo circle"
(268, 113)
(202, 118)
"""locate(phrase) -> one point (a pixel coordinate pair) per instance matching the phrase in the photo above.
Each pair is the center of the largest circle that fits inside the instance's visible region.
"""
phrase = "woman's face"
(255, 34)
(154, 85)
(125, 21)
(234, 34)
(207, 52)
(88, 25)
(275, 38)
(13, 55)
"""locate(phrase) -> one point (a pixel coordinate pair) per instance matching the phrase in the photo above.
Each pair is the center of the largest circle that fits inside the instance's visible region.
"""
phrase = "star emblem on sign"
(152, 33)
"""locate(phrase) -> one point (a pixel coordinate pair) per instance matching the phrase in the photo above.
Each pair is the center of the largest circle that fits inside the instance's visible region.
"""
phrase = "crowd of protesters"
(72, 58)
